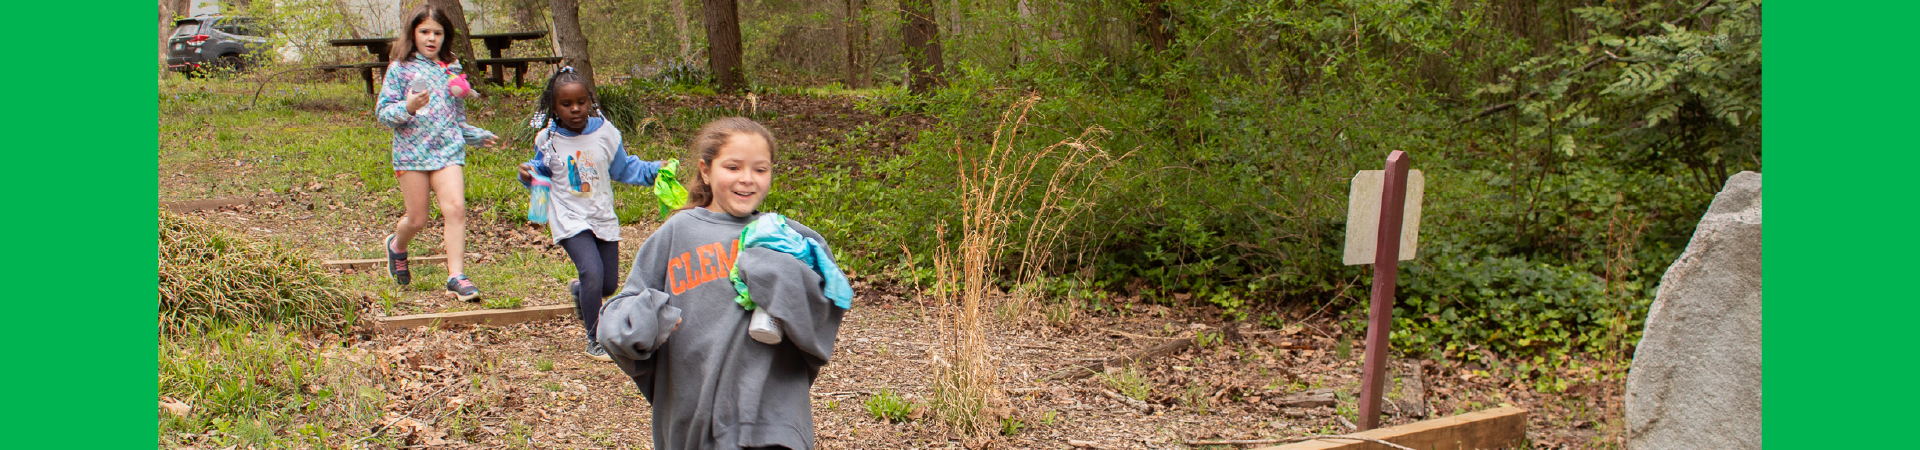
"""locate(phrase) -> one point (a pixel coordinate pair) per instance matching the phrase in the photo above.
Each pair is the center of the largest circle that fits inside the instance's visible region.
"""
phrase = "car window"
(249, 28)
(186, 29)
(228, 26)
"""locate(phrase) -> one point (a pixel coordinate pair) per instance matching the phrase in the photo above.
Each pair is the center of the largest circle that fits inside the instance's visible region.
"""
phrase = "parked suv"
(207, 42)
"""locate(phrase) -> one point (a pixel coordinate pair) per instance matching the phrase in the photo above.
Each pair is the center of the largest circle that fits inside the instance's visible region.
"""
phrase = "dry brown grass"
(992, 187)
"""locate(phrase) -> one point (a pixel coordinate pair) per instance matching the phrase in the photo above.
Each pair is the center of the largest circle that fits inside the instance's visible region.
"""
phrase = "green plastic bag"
(667, 187)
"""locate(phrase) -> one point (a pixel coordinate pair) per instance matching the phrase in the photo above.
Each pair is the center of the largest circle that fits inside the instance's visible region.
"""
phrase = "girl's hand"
(415, 101)
(526, 173)
(491, 142)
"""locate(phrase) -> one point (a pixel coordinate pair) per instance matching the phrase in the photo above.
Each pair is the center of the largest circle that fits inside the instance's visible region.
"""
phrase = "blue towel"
(771, 231)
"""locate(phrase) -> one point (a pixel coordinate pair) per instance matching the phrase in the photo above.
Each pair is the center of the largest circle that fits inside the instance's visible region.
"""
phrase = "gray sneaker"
(573, 287)
(598, 353)
(463, 287)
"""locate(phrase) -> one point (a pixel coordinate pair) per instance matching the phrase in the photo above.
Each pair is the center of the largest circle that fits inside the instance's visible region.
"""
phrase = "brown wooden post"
(1386, 267)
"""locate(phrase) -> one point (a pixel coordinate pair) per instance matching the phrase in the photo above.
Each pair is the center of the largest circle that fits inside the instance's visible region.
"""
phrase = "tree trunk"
(922, 45)
(525, 15)
(856, 39)
(169, 9)
(463, 47)
(723, 45)
(679, 9)
(573, 43)
(346, 15)
(1158, 23)
(1025, 35)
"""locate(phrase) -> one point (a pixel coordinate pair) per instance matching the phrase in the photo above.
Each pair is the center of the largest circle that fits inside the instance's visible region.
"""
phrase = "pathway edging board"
(1498, 428)
(478, 317)
(364, 264)
(185, 206)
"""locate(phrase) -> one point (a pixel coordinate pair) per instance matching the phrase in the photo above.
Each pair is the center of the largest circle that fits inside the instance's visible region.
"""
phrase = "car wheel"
(231, 63)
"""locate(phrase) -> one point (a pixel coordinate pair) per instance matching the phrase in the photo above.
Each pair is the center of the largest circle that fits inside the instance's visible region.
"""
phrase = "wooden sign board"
(1363, 215)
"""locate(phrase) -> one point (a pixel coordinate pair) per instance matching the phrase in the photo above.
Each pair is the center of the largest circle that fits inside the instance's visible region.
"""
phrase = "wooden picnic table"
(496, 66)
(500, 42)
(379, 47)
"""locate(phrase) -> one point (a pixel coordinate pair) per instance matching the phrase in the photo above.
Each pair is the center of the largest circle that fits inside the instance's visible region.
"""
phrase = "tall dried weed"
(993, 187)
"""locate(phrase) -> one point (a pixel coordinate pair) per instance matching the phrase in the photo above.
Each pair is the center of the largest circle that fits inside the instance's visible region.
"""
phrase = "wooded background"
(1569, 145)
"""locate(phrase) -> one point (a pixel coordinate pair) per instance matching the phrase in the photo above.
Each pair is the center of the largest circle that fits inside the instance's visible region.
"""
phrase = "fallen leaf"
(177, 408)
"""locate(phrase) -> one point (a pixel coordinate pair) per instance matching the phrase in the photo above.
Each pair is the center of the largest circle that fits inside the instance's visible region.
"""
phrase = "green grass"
(889, 407)
(245, 383)
(1127, 382)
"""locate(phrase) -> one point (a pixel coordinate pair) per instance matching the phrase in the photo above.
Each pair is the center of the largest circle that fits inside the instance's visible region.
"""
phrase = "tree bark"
(525, 15)
(1025, 35)
(856, 42)
(572, 42)
(921, 34)
(463, 47)
(353, 23)
(1158, 23)
(723, 45)
(169, 9)
(679, 10)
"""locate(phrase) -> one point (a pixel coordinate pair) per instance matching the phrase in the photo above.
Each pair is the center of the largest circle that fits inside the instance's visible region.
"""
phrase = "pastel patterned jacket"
(437, 135)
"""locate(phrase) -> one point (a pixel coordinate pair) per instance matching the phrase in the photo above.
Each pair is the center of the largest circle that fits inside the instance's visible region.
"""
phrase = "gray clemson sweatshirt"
(711, 386)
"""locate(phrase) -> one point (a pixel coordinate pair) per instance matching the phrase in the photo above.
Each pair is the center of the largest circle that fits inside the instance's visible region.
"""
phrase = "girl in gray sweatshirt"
(676, 330)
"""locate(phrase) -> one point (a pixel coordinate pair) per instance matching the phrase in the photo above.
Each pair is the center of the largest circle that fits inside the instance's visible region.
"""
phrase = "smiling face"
(740, 174)
(427, 37)
(572, 106)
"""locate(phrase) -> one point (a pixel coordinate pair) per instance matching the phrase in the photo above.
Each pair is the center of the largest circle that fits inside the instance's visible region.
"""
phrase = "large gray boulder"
(1695, 380)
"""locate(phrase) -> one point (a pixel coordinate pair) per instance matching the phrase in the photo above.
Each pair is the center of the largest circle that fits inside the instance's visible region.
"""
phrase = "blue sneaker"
(464, 288)
(397, 263)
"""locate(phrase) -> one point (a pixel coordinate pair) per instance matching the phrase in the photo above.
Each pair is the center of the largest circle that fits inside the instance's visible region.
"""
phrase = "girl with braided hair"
(583, 154)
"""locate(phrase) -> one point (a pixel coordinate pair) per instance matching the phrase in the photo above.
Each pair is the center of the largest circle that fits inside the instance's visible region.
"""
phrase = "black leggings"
(598, 262)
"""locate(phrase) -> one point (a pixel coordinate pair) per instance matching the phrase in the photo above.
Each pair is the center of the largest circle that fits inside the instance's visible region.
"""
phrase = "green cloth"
(771, 231)
(667, 187)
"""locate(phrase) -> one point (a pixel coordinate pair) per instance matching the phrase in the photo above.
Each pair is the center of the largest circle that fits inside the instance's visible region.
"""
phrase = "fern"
(1685, 89)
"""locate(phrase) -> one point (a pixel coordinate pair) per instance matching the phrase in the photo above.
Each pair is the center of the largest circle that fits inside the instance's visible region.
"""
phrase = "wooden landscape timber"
(186, 206)
(364, 264)
(1123, 360)
(478, 317)
(1498, 428)
(1309, 399)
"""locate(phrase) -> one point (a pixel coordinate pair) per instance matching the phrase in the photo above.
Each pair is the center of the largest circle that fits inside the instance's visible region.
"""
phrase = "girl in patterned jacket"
(423, 101)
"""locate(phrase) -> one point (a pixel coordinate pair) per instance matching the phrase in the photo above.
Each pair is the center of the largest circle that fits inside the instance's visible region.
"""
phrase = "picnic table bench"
(496, 66)
(379, 47)
(519, 66)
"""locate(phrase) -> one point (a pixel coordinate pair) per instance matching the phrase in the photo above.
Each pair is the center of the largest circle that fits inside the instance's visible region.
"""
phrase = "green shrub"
(1511, 305)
